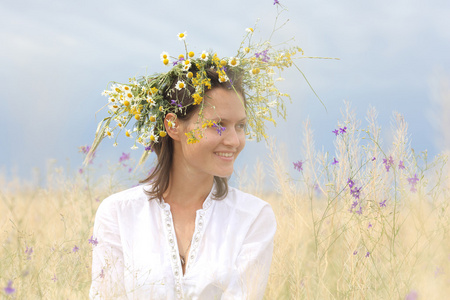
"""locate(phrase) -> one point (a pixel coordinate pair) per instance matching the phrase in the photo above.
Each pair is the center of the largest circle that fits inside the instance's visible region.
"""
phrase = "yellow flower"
(180, 56)
(191, 54)
(150, 100)
(126, 103)
(161, 108)
(152, 118)
(247, 49)
(162, 133)
(249, 30)
(223, 63)
(197, 99)
(255, 71)
(180, 85)
(166, 61)
(182, 36)
(190, 75)
(137, 116)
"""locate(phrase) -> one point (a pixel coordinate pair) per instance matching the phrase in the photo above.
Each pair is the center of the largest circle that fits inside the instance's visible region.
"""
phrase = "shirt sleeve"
(107, 255)
(254, 258)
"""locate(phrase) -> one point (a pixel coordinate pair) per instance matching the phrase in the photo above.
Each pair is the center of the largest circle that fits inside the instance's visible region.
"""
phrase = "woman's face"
(215, 153)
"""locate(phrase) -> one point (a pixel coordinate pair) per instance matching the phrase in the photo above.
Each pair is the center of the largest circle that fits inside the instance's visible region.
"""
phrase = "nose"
(231, 137)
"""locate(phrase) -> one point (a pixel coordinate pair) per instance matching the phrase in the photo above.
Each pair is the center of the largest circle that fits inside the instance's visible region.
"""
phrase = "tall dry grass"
(392, 244)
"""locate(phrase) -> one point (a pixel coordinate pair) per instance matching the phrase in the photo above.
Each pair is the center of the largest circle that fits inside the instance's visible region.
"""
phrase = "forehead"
(225, 104)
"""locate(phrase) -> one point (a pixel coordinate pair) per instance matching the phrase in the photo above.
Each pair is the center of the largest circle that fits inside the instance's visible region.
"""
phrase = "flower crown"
(144, 101)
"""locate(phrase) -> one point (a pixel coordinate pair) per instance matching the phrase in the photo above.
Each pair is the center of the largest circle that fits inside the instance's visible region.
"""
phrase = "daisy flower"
(114, 108)
(204, 56)
(186, 65)
(182, 36)
(128, 133)
(106, 93)
(109, 133)
(249, 30)
(151, 101)
(180, 85)
(164, 55)
(134, 147)
(234, 61)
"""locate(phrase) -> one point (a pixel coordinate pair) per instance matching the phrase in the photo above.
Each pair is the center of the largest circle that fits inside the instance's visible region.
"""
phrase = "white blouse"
(137, 257)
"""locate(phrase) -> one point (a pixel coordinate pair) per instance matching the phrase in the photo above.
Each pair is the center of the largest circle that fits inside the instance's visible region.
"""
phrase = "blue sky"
(58, 56)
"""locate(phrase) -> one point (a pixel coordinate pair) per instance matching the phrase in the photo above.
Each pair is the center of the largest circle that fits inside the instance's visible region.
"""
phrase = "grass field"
(365, 221)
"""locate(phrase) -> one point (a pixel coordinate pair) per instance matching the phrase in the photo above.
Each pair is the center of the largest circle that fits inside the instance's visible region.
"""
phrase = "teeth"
(225, 154)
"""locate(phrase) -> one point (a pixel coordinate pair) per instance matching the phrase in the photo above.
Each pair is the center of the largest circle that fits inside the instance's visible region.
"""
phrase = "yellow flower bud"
(190, 75)
(152, 119)
(126, 102)
(191, 54)
(162, 133)
(166, 61)
(137, 116)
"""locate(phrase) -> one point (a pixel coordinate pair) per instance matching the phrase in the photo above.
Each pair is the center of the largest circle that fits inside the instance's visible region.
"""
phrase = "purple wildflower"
(93, 241)
(350, 182)
(9, 289)
(177, 61)
(400, 165)
(298, 165)
(174, 102)
(355, 204)
(412, 295)
(85, 150)
(355, 252)
(102, 274)
(148, 148)
(359, 212)
(438, 272)
(28, 252)
(276, 2)
(355, 192)
(124, 157)
(54, 277)
(263, 55)
(343, 130)
(388, 163)
(374, 158)
(75, 249)
(370, 225)
(80, 171)
(336, 132)
(220, 128)
(367, 254)
(383, 203)
(413, 181)
(335, 161)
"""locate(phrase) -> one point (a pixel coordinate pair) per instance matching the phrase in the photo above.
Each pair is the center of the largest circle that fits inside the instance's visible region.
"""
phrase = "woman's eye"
(241, 126)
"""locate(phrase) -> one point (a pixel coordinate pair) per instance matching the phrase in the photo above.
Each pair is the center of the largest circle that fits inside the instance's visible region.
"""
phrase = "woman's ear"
(172, 126)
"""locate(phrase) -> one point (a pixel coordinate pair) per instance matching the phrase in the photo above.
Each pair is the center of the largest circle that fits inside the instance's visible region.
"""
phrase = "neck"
(187, 189)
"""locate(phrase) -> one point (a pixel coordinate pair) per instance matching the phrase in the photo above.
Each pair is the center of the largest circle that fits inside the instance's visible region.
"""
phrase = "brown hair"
(159, 177)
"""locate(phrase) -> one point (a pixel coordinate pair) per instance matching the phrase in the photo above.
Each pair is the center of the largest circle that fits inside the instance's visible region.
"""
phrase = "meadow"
(366, 220)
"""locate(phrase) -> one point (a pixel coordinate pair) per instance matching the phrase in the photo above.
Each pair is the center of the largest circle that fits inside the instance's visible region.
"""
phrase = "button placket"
(174, 255)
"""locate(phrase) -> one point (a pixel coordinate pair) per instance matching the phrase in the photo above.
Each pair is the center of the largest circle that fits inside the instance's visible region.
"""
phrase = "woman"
(184, 234)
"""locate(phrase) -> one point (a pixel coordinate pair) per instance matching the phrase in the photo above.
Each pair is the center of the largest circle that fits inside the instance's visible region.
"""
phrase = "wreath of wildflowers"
(141, 102)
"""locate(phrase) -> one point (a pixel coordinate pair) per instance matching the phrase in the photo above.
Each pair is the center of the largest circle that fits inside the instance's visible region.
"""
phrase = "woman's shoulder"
(134, 196)
(246, 203)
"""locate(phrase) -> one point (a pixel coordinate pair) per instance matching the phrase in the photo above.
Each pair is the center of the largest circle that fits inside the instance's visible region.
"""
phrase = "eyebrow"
(226, 120)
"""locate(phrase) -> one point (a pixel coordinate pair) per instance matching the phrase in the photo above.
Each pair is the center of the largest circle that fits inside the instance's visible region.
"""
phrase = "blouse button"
(167, 213)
